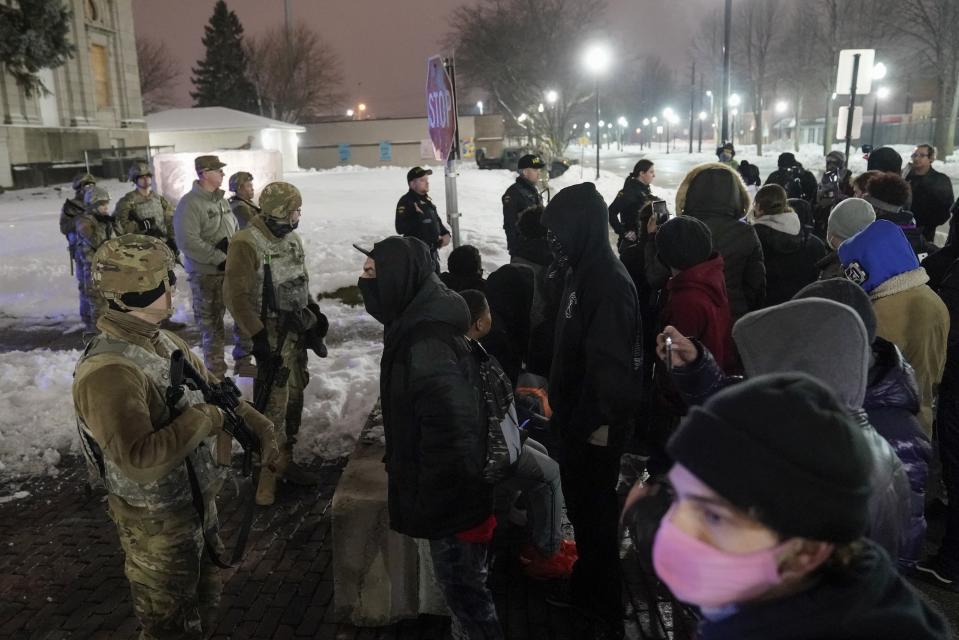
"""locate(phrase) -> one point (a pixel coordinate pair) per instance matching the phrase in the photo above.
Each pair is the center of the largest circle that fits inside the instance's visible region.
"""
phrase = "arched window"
(92, 11)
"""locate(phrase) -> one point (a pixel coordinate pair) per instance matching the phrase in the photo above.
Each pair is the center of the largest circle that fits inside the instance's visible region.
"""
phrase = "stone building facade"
(94, 99)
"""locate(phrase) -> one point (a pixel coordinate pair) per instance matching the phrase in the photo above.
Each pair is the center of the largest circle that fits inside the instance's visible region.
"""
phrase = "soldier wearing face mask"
(765, 533)
(266, 290)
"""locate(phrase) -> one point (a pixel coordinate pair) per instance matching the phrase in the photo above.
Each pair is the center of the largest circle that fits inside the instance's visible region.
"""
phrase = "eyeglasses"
(920, 155)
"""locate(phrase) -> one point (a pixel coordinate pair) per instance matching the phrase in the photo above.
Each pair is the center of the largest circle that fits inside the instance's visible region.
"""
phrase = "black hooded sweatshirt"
(867, 601)
(433, 414)
(597, 349)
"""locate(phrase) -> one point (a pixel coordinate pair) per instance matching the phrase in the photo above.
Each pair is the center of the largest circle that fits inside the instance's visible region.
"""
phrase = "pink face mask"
(703, 575)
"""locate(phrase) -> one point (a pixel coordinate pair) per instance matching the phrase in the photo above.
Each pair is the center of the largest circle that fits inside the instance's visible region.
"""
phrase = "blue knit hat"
(876, 254)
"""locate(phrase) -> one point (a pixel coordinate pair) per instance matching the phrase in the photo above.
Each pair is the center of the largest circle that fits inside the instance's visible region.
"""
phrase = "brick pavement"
(61, 572)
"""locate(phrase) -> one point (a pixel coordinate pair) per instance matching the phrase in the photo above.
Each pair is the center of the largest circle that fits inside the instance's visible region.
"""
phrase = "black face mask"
(371, 298)
(280, 229)
(560, 263)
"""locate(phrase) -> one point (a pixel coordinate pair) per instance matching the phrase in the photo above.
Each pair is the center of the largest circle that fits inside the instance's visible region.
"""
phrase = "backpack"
(503, 443)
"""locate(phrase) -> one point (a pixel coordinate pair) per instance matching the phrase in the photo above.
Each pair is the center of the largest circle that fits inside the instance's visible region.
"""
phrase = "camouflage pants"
(299, 378)
(208, 311)
(175, 587)
(290, 390)
(92, 303)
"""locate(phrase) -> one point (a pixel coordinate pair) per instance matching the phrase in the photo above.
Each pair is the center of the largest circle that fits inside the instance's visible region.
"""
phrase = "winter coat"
(835, 350)
(905, 220)
(715, 194)
(434, 416)
(462, 283)
(868, 600)
(509, 292)
(892, 404)
(807, 182)
(624, 211)
(416, 217)
(829, 266)
(201, 220)
(790, 254)
(910, 315)
(695, 303)
(597, 351)
(932, 198)
(244, 210)
(149, 214)
(522, 197)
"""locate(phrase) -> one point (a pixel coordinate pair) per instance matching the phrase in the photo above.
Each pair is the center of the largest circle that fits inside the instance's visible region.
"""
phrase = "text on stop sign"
(439, 108)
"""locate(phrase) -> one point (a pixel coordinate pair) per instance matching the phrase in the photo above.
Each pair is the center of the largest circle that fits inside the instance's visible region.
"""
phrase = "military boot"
(266, 487)
(172, 325)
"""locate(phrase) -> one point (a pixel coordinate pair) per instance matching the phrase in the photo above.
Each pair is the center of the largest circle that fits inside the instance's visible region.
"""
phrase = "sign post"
(443, 126)
(854, 77)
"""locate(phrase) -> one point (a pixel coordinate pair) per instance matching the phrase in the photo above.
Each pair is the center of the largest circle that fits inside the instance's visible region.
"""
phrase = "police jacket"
(416, 217)
(519, 197)
(624, 212)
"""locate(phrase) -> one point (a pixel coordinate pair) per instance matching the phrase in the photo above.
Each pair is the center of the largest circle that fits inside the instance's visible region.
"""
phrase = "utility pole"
(692, 107)
(852, 102)
(727, 42)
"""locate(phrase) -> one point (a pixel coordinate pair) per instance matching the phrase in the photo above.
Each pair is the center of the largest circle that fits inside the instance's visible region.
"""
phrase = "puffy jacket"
(624, 211)
(715, 194)
(835, 351)
(790, 254)
(892, 404)
(433, 413)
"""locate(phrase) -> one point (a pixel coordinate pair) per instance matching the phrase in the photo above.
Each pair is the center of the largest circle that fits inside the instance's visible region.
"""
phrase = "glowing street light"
(586, 126)
(781, 106)
(522, 117)
(702, 115)
(362, 108)
(479, 106)
(601, 124)
(541, 108)
(349, 113)
(645, 122)
(609, 125)
(735, 100)
(879, 71)
(668, 116)
(622, 122)
(881, 94)
(552, 96)
(574, 126)
(655, 119)
(597, 58)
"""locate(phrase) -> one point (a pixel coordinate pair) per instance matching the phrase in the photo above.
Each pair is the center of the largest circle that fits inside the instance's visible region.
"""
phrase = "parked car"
(509, 157)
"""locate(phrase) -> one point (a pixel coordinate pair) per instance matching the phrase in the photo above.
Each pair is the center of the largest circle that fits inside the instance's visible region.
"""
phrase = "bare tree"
(158, 74)
(518, 50)
(760, 31)
(932, 27)
(297, 75)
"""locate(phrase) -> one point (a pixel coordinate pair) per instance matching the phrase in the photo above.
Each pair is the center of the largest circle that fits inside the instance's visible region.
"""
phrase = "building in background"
(93, 105)
(211, 129)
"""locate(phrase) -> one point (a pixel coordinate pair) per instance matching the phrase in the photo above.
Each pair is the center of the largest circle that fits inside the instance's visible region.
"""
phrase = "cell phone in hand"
(661, 211)
(669, 354)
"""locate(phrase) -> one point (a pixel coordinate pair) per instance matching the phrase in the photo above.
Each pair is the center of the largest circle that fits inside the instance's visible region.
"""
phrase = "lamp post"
(781, 107)
(702, 119)
(349, 113)
(881, 94)
(668, 118)
(479, 106)
(362, 109)
(734, 102)
(597, 60)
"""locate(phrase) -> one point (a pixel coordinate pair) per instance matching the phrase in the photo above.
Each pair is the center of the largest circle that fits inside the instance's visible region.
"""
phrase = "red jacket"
(696, 304)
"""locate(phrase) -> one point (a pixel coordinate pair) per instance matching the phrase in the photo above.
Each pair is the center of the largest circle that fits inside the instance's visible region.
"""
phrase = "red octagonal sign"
(440, 108)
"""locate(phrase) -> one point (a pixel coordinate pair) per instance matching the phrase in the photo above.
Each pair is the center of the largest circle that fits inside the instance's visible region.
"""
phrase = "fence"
(111, 162)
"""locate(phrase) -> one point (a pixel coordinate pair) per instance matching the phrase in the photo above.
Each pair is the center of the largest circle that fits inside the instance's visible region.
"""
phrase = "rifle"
(226, 396)
(71, 258)
(274, 373)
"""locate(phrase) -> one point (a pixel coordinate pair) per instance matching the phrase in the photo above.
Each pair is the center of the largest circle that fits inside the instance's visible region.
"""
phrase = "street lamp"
(362, 108)
(702, 119)
(552, 96)
(781, 108)
(597, 59)
(541, 108)
(479, 106)
(732, 125)
(667, 117)
(881, 94)
(879, 71)
(735, 100)
(349, 113)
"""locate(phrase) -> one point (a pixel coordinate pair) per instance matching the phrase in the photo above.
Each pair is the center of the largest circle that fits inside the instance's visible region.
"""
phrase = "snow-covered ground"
(341, 206)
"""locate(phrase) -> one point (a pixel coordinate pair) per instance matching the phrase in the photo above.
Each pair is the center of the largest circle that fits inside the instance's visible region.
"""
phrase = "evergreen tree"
(34, 36)
(220, 79)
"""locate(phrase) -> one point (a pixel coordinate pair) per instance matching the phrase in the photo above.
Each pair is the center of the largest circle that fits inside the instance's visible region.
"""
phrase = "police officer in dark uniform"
(624, 211)
(522, 197)
(416, 215)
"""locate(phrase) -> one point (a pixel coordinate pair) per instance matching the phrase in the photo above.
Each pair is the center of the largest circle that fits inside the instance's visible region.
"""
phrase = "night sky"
(384, 44)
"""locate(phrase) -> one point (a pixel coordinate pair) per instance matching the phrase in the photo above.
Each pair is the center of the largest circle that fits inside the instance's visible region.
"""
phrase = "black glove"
(322, 324)
(221, 266)
(171, 243)
(222, 245)
(301, 321)
(315, 343)
(261, 348)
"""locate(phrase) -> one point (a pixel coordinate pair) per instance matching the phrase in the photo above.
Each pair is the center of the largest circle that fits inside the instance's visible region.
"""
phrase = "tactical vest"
(102, 231)
(288, 268)
(150, 210)
(172, 491)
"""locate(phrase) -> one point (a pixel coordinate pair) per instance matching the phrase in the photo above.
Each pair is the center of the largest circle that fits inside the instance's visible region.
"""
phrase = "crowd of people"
(603, 365)
(798, 496)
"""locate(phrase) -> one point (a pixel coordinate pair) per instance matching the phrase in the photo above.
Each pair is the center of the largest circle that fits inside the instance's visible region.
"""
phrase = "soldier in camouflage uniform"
(72, 208)
(94, 227)
(203, 224)
(141, 447)
(241, 184)
(294, 317)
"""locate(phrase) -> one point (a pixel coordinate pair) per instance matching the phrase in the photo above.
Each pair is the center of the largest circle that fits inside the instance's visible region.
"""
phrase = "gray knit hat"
(849, 217)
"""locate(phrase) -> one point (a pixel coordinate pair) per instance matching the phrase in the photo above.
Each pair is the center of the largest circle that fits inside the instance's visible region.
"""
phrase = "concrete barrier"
(379, 576)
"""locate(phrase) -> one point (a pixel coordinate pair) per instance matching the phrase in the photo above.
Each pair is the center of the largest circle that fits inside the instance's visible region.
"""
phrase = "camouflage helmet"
(279, 200)
(131, 263)
(95, 195)
(137, 169)
(238, 179)
(83, 179)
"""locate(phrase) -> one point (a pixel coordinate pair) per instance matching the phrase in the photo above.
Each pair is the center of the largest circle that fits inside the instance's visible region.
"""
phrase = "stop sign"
(440, 108)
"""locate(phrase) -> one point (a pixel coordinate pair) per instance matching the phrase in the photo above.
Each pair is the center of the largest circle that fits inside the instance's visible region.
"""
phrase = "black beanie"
(786, 160)
(885, 159)
(844, 292)
(684, 242)
(782, 449)
(465, 261)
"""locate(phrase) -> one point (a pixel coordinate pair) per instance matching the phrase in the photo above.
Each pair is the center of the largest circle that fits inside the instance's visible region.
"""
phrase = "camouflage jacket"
(244, 210)
(92, 231)
(119, 392)
(68, 218)
(150, 215)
